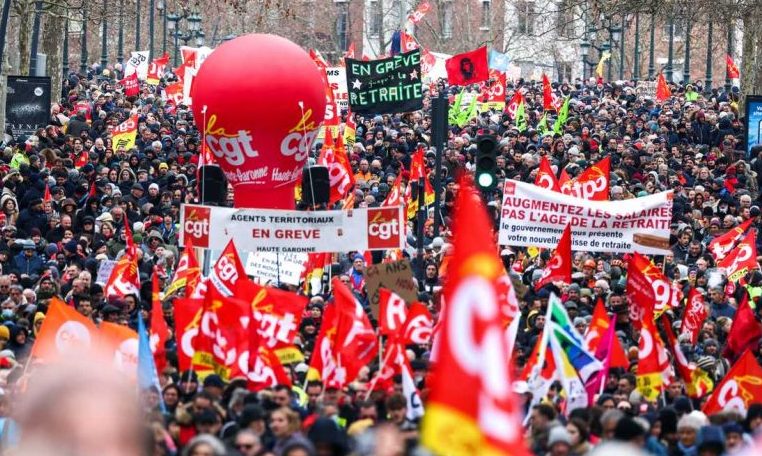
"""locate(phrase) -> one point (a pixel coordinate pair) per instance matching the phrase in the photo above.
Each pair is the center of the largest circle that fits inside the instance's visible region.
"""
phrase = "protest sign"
(337, 78)
(104, 271)
(138, 63)
(273, 230)
(266, 267)
(396, 276)
(386, 85)
(646, 89)
(535, 216)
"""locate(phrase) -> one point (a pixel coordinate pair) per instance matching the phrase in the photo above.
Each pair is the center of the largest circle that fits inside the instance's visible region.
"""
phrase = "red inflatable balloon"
(264, 100)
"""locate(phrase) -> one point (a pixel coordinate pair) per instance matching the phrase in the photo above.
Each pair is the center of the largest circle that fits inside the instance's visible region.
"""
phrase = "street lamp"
(83, 51)
(163, 14)
(200, 38)
(192, 23)
(120, 39)
(670, 49)
(584, 50)
(104, 39)
(709, 39)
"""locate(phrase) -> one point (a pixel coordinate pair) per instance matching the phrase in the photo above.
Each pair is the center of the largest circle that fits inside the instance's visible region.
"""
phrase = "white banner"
(337, 78)
(533, 216)
(266, 266)
(270, 230)
(138, 62)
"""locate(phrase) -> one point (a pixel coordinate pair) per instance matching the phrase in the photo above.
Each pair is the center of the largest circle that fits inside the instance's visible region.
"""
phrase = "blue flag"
(498, 60)
(147, 376)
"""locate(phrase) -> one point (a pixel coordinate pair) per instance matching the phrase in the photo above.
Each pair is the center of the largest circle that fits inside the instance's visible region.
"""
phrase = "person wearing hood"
(329, 439)
(19, 343)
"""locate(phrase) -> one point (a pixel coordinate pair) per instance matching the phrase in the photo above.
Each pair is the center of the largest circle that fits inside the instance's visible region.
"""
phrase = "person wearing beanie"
(688, 428)
(734, 440)
(5, 335)
(630, 431)
(711, 441)
(559, 441)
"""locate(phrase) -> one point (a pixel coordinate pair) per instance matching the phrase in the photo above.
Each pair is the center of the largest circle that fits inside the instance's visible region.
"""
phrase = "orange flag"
(46, 197)
(121, 343)
(64, 332)
(739, 389)
(662, 89)
(471, 379)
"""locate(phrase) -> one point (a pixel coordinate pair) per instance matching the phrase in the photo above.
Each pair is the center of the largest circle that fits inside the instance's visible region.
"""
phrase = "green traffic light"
(485, 180)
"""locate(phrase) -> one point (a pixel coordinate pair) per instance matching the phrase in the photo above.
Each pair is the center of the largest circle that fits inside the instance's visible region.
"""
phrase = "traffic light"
(486, 161)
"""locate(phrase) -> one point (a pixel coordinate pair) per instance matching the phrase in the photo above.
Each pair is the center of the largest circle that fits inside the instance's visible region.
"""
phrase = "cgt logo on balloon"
(196, 225)
(383, 228)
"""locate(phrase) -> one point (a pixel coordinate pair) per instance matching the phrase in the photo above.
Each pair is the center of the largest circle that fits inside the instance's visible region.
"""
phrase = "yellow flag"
(124, 135)
(599, 69)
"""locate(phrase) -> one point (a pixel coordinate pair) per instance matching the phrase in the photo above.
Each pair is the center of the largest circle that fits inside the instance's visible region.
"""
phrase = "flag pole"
(375, 378)
(203, 148)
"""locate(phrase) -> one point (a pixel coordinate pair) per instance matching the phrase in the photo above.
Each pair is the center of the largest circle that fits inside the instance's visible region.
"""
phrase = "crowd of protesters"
(693, 145)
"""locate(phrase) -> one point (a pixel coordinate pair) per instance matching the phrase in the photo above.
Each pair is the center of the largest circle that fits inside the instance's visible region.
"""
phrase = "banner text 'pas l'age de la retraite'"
(533, 216)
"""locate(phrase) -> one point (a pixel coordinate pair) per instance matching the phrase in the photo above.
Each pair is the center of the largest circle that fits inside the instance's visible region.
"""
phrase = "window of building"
(486, 21)
(376, 14)
(565, 19)
(525, 17)
(447, 20)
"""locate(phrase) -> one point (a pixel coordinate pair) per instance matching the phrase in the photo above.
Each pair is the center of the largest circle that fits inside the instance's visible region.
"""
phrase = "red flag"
(228, 275)
(697, 382)
(471, 380)
(220, 335)
(545, 177)
(187, 314)
(417, 15)
(513, 105)
(346, 341)
(733, 72)
(156, 69)
(744, 332)
(407, 42)
(392, 312)
(600, 324)
(592, 184)
(742, 259)
(468, 68)
(187, 274)
(740, 388)
(722, 245)
(131, 85)
(355, 337)
(258, 360)
(547, 94)
(663, 91)
(652, 359)
(648, 290)
(46, 197)
(159, 333)
(558, 269)
(277, 315)
(395, 195)
(694, 316)
(419, 325)
(124, 279)
(334, 157)
(130, 249)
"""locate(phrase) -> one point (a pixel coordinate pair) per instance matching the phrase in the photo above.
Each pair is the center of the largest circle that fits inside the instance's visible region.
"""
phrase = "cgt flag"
(559, 268)
(124, 135)
(388, 85)
(131, 85)
(471, 408)
(740, 388)
(468, 68)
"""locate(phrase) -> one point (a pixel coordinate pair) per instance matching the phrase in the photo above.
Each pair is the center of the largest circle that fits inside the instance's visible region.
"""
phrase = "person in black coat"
(33, 217)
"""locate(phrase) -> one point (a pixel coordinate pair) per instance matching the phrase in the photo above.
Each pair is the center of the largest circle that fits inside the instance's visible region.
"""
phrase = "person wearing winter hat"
(559, 441)
(734, 440)
(688, 428)
(711, 441)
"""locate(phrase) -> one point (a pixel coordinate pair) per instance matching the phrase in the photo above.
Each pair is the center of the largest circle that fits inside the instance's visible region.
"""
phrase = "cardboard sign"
(104, 271)
(397, 277)
(266, 266)
(337, 78)
(386, 85)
